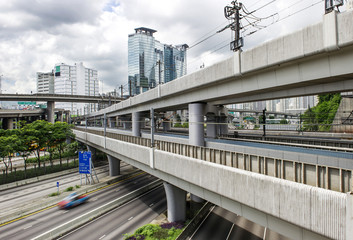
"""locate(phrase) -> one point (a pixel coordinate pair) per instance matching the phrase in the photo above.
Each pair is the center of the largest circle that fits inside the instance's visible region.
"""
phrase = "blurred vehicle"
(72, 200)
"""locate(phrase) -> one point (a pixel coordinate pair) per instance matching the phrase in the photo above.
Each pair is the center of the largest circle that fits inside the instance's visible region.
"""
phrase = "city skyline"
(97, 34)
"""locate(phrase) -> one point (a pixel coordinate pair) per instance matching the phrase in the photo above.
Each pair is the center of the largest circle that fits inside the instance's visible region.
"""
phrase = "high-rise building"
(45, 82)
(76, 80)
(151, 62)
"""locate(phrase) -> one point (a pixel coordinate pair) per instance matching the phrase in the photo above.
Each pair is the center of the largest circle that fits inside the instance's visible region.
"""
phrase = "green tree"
(8, 148)
(61, 131)
(320, 117)
(40, 131)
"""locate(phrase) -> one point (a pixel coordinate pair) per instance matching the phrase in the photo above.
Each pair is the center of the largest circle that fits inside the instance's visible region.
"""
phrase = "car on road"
(72, 200)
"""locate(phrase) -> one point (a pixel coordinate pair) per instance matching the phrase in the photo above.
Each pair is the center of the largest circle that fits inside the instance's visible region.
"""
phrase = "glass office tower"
(151, 62)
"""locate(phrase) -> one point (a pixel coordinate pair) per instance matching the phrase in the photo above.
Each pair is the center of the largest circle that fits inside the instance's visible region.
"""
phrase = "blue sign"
(57, 184)
(84, 162)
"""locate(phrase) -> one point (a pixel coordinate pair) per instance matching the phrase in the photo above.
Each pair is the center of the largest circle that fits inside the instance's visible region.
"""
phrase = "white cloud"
(40, 33)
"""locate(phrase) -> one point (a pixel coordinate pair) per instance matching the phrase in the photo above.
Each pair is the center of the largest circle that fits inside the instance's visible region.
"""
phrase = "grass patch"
(77, 186)
(54, 194)
(69, 189)
(168, 231)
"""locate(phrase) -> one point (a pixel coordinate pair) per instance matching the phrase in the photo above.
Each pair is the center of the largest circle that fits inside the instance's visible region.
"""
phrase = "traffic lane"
(52, 217)
(124, 219)
(41, 222)
(21, 195)
(217, 225)
(245, 229)
(48, 184)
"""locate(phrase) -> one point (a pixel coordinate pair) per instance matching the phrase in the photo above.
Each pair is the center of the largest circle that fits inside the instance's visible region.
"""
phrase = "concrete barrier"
(84, 218)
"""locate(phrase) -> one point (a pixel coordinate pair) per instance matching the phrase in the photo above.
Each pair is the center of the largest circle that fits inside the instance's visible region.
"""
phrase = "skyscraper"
(76, 80)
(151, 62)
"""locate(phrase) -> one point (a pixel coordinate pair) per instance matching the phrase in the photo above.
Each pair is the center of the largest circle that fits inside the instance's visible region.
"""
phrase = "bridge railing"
(318, 175)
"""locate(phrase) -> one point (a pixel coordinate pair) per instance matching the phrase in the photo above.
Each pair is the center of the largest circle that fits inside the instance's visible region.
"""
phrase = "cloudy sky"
(37, 34)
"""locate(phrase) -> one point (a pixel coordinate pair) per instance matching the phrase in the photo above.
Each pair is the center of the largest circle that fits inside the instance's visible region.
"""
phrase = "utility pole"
(232, 13)
(331, 4)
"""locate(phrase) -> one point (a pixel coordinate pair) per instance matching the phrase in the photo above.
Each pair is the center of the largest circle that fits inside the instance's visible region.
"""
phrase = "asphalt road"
(221, 224)
(41, 222)
(26, 193)
(125, 219)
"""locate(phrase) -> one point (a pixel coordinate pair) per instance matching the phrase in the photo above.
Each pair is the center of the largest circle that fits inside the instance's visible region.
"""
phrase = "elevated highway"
(317, 59)
(287, 192)
(297, 194)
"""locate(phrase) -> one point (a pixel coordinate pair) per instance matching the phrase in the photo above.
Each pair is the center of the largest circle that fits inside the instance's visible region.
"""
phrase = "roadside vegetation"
(320, 117)
(166, 231)
(30, 139)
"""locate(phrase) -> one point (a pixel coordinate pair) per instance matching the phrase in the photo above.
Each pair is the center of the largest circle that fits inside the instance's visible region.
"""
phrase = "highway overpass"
(315, 60)
(287, 192)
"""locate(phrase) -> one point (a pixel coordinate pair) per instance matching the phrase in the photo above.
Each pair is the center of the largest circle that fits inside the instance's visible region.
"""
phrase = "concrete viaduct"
(51, 99)
(279, 193)
(317, 59)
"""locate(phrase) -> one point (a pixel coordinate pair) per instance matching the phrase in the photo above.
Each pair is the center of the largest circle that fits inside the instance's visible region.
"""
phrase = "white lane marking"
(117, 190)
(102, 237)
(151, 204)
(27, 227)
(130, 218)
(94, 199)
(66, 211)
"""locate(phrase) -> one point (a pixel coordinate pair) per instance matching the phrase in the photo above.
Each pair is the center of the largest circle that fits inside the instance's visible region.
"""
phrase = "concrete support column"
(136, 124)
(257, 119)
(167, 125)
(114, 166)
(176, 203)
(223, 126)
(111, 122)
(10, 123)
(50, 111)
(196, 130)
(241, 119)
(211, 127)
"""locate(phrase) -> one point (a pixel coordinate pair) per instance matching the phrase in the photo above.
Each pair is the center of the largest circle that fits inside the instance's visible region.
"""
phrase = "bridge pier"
(50, 111)
(136, 124)
(167, 125)
(114, 166)
(126, 122)
(223, 125)
(211, 127)
(196, 130)
(7, 123)
(176, 202)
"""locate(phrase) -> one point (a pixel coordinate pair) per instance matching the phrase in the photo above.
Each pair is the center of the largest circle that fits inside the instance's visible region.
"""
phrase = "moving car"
(72, 200)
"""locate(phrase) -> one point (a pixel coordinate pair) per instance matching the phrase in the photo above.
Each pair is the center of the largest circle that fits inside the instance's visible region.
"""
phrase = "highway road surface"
(221, 224)
(125, 219)
(43, 221)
